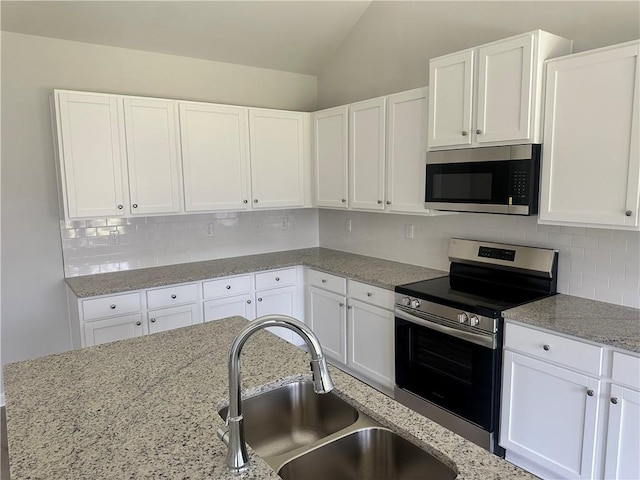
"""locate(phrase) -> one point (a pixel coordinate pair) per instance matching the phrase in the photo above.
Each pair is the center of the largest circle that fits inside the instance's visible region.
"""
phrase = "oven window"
(467, 186)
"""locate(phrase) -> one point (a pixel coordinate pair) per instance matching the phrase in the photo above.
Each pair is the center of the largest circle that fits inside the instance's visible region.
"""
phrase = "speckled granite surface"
(600, 322)
(145, 408)
(375, 271)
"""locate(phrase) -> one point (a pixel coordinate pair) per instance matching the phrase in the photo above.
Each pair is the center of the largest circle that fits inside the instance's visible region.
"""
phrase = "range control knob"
(406, 301)
(415, 303)
(474, 320)
(463, 318)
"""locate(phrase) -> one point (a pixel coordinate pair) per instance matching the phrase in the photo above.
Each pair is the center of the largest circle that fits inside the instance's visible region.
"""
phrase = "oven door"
(453, 369)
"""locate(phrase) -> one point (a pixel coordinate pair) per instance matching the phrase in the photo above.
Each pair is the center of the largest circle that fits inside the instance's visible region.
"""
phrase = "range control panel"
(497, 253)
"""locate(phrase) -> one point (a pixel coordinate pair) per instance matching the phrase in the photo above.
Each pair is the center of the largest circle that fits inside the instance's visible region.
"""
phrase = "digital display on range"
(498, 253)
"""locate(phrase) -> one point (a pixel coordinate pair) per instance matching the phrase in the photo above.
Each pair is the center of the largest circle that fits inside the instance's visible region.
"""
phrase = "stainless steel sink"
(367, 454)
(292, 416)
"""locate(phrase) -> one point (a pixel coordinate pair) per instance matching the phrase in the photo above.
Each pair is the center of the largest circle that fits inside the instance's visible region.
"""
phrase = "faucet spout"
(237, 456)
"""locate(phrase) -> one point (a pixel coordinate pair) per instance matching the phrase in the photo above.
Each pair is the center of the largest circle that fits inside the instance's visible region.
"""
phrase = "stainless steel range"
(448, 333)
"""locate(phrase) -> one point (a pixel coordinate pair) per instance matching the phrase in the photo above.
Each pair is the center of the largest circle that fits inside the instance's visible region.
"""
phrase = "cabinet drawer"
(327, 281)
(626, 370)
(224, 287)
(275, 278)
(548, 346)
(178, 295)
(110, 306)
(377, 296)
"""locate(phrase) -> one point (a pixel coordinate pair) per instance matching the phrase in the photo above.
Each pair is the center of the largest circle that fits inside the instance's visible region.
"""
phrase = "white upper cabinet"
(491, 94)
(330, 153)
(591, 153)
(152, 155)
(278, 158)
(367, 154)
(406, 151)
(92, 163)
(215, 157)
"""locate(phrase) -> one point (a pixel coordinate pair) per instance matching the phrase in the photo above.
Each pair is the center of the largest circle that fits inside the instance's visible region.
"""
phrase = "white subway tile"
(563, 239)
(609, 296)
(599, 232)
(97, 222)
(582, 291)
(595, 281)
(536, 238)
(572, 230)
(613, 244)
(583, 266)
(631, 300)
(611, 271)
(597, 256)
(584, 241)
(572, 253)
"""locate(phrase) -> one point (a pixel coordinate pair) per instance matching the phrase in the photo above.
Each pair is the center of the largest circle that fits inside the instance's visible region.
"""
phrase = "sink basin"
(367, 454)
(292, 416)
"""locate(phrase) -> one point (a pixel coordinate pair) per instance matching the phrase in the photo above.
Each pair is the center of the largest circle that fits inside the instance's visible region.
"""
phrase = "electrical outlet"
(257, 227)
(209, 229)
(408, 231)
(347, 225)
(114, 237)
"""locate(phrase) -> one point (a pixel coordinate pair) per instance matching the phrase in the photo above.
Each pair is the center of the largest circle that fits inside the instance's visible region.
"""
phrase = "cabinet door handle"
(120, 207)
(369, 294)
(112, 306)
(465, 133)
(277, 279)
(344, 200)
(628, 213)
(614, 400)
(341, 304)
(249, 302)
(349, 307)
(228, 287)
(324, 280)
(546, 348)
(259, 299)
(135, 205)
(479, 132)
(590, 393)
(388, 202)
(245, 201)
(174, 296)
(138, 323)
(255, 200)
(379, 202)
(153, 320)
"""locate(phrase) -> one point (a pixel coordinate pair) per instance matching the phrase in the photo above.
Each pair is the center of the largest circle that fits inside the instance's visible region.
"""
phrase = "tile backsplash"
(600, 264)
(113, 244)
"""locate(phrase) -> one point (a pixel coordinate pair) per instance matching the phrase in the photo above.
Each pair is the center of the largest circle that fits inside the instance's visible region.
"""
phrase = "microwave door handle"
(478, 339)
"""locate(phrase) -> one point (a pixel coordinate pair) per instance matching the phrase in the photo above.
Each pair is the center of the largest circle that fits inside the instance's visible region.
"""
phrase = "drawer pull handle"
(546, 348)
(369, 294)
(349, 307)
(228, 287)
(465, 133)
(153, 320)
(138, 323)
(249, 302)
(245, 201)
(614, 400)
(341, 304)
(324, 280)
(590, 393)
(259, 299)
(628, 213)
(277, 279)
(174, 296)
(112, 306)
(135, 205)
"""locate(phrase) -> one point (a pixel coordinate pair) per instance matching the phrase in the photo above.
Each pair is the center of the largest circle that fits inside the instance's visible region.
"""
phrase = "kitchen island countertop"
(145, 408)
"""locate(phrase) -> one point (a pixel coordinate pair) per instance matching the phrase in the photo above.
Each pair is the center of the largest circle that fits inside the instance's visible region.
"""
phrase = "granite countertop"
(605, 323)
(145, 408)
(375, 271)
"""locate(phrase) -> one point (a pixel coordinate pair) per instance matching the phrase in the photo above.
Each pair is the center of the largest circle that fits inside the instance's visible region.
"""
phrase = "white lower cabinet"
(280, 301)
(174, 317)
(569, 409)
(354, 329)
(112, 329)
(238, 305)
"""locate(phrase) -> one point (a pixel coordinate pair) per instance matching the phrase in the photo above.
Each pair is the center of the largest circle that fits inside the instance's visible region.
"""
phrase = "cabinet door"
(549, 415)
(623, 435)
(277, 153)
(152, 155)
(406, 151)
(327, 318)
(591, 167)
(371, 342)
(238, 305)
(450, 96)
(113, 329)
(278, 301)
(174, 317)
(367, 154)
(92, 156)
(330, 154)
(215, 157)
(504, 92)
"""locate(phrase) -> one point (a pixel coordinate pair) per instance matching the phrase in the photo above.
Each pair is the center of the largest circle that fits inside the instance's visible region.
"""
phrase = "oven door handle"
(477, 338)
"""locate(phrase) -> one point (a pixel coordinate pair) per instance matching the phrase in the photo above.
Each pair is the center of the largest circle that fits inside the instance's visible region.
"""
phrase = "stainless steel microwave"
(489, 179)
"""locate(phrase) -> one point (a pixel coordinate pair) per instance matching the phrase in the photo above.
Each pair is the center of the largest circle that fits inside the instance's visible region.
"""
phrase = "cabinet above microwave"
(492, 94)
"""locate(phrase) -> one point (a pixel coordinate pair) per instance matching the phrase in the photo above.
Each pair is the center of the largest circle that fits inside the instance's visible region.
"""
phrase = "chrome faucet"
(237, 457)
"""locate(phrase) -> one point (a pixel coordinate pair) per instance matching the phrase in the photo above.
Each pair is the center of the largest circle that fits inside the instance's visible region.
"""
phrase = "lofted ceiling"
(293, 36)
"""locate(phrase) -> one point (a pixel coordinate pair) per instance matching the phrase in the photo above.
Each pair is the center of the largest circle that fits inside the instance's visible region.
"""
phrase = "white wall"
(594, 263)
(34, 310)
(389, 48)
